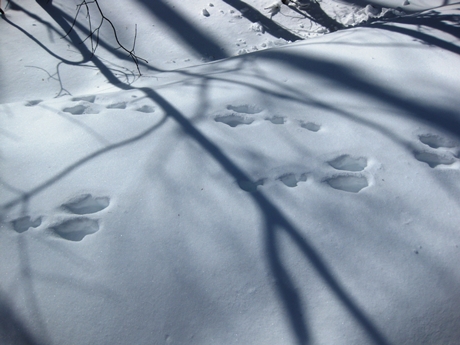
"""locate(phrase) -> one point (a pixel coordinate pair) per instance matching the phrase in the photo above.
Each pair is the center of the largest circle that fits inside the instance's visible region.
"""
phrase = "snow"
(244, 189)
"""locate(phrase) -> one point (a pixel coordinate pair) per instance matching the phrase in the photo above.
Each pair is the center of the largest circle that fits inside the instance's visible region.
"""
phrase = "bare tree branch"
(94, 33)
(316, 13)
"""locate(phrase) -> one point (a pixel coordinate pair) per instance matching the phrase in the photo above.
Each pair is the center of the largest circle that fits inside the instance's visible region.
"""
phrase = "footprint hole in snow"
(23, 224)
(80, 109)
(76, 229)
(290, 179)
(33, 103)
(234, 120)
(245, 109)
(434, 159)
(276, 120)
(436, 141)
(89, 99)
(348, 163)
(86, 204)
(311, 126)
(351, 184)
(119, 105)
(249, 186)
(146, 109)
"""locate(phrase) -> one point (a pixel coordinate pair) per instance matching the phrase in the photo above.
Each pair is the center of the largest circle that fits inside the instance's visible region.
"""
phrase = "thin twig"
(93, 35)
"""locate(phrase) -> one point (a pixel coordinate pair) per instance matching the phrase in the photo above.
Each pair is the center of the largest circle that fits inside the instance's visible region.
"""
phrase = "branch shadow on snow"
(65, 21)
(85, 58)
(275, 221)
(25, 197)
(447, 23)
(364, 3)
(443, 118)
(14, 328)
(13, 331)
(254, 16)
(197, 40)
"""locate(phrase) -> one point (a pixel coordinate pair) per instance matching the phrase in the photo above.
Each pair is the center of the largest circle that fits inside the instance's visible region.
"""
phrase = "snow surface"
(303, 193)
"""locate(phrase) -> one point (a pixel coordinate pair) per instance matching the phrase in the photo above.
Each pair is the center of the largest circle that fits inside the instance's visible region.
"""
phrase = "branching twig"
(93, 35)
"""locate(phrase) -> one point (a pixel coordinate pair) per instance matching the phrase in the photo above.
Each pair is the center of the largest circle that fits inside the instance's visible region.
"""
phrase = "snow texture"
(246, 189)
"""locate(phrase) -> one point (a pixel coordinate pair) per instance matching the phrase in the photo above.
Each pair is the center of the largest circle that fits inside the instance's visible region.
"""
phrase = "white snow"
(244, 189)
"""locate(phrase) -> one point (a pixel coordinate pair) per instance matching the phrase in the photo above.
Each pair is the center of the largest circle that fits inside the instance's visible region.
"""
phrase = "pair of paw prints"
(74, 228)
(441, 151)
(87, 105)
(241, 115)
(288, 179)
(351, 179)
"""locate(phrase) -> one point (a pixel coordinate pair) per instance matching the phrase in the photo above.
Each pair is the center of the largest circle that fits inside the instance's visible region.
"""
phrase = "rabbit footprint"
(348, 163)
(80, 109)
(234, 120)
(291, 180)
(245, 109)
(76, 229)
(86, 204)
(440, 152)
(23, 224)
(288, 179)
(433, 159)
(348, 182)
(311, 126)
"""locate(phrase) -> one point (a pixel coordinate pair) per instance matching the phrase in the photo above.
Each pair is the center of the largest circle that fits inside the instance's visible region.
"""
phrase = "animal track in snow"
(86, 204)
(146, 109)
(245, 109)
(348, 183)
(89, 99)
(441, 153)
(234, 120)
(33, 103)
(276, 120)
(348, 163)
(23, 224)
(80, 109)
(311, 126)
(436, 141)
(240, 112)
(119, 105)
(76, 229)
(290, 179)
(249, 186)
(434, 159)
(87, 105)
